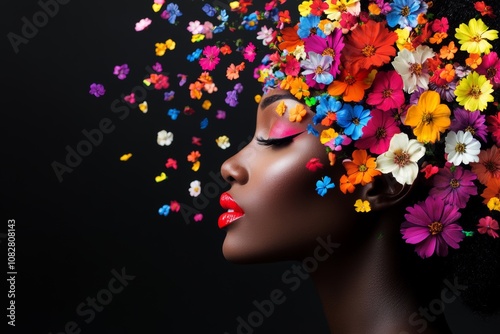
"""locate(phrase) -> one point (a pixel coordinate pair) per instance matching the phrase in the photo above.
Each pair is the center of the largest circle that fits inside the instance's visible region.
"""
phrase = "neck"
(362, 290)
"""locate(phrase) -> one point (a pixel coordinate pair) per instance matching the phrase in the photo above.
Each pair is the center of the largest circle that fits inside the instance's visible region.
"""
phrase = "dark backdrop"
(95, 234)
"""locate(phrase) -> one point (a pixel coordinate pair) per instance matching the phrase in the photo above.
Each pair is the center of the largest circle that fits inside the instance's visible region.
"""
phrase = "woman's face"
(282, 214)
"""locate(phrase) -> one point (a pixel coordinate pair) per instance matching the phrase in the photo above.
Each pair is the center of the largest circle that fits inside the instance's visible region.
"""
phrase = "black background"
(103, 216)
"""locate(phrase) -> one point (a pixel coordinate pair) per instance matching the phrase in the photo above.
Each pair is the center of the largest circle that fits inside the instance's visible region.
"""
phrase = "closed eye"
(277, 142)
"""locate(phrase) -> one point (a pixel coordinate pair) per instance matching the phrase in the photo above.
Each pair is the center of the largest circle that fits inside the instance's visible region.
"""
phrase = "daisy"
(428, 117)
(413, 68)
(331, 46)
(361, 169)
(401, 158)
(378, 132)
(431, 226)
(473, 36)
(317, 69)
(490, 67)
(405, 13)
(337, 7)
(386, 91)
(488, 166)
(266, 35)
(461, 147)
(474, 92)
(454, 186)
(472, 122)
(353, 119)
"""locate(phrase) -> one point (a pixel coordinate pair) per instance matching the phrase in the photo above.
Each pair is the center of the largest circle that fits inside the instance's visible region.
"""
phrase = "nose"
(234, 170)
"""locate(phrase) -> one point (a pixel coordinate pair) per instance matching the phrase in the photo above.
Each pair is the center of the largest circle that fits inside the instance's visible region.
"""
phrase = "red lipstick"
(233, 210)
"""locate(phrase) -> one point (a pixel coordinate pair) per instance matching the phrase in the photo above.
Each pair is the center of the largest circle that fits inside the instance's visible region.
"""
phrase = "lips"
(233, 210)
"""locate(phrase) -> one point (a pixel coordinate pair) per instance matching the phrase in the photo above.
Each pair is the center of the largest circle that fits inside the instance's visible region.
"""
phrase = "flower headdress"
(387, 84)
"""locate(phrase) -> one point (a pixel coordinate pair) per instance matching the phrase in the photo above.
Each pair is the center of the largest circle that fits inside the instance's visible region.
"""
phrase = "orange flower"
(299, 88)
(474, 60)
(297, 113)
(370, 44)
(226, 49)
(346, 185)
(488, 167)
(332, 158)
(193, 156)
(448, 52)
(438, 38)
(329, 119)
(492, 190)
(195, 90)
(361, 169)
(448, 73)
(289, 39)
(351, 87)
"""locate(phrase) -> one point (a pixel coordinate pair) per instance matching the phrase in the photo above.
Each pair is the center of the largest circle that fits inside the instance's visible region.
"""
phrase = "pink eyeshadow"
(282, 130)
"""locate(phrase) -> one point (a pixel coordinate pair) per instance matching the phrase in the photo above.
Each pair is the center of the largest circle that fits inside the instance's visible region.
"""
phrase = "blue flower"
(164, 210)
(173, 113)
(312, 131)
(223, 16)
(405, 13)
(353, 119)
(250, 22)
(209, 10)
(172, 12)
(323, 185)
(318, 66)
(195, 55)
(204, 123)
(308, 24)
(220, 28)
(326, 104)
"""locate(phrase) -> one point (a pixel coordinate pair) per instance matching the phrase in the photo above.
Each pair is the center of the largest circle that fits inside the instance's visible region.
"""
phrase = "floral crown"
(386, 83)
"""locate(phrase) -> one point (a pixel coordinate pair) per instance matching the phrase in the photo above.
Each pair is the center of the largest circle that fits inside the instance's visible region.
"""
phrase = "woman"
(400, 241)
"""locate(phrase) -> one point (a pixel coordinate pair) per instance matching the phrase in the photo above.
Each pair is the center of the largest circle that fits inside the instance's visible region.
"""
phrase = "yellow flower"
(297, 113)
(170, 44)
(474, 92)
(281, 108)
(223, 142)
(473, 36)
(428, 117)
(403, 38)
(234, 5)
(160, 49)
(327, 135)
(206, 104)
(197, 38)
(337, 7)
(257, 98)
(196, 166)
(362, 206)
(305, 8)
(494, 204)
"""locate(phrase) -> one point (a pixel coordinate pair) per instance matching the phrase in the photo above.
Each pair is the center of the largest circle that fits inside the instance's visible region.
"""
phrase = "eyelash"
(277, 142)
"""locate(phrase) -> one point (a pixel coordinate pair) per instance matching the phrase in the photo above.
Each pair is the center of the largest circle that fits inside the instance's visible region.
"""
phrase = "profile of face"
(274, 212)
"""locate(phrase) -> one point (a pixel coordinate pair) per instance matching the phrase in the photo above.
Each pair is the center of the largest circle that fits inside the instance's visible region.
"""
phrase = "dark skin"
(362, 286)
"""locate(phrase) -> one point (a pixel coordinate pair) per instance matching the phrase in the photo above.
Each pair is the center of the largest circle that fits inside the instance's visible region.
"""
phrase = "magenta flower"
(490, 67)
(454, 186)
(474, 122)
(378, 132)
(121, 71)
(210, 59)
(249, 52)
(387, 91)
(431, 226)
(331, 46)
(97, 89)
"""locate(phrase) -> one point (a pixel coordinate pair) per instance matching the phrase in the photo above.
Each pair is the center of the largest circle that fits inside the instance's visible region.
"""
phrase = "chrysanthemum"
(370, 44)
(331, 46)
(473, 36)
(461, 147)
(488, 166)
(428, 117)
(413, 68)
(472, 122)
(474, 92)
(353, 119)
(317, 69)
(378, 132)
(431, 226)
(361, 169)
(386, 91)
(405, 13)
(454, 186)
(401, 158)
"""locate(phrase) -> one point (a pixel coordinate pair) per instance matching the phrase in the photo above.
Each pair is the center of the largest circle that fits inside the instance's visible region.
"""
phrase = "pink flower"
(488, 225)
(378, 132)
(314, 164)
(440, 25)
(210, 59)
(431, 226)
(198, 217)
(175, 206)
(490, 67)
(195, 27)
(249, 52)
(387, 91)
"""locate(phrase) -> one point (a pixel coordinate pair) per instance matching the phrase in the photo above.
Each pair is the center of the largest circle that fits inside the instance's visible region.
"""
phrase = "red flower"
(488, 225)
(318, 6)
(314, 164)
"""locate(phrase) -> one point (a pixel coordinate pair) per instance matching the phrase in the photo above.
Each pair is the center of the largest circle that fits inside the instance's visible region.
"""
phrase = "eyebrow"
(273, 98)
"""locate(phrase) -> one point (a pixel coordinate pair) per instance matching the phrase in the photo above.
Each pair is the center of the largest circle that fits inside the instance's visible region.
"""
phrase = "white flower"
(164, 138)
(401, 158)
(462, 147)
(195, 188)
(300, 52)
(266, 35)
(412, 67)
(223, 142)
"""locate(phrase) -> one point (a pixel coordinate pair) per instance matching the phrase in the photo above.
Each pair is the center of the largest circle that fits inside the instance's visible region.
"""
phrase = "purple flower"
(431, 226)
(317, 69)
(97, 89)
(221, 114)
(238, 88)
(209, 10)
(454, 186)
(168, 96)
(232, 98)
(157, 67)
(121, 71)
(446, 91)
(332, 46)
(171, 13)
(469, 121)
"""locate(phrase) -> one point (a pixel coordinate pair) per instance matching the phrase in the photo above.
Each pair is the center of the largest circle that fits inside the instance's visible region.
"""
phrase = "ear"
(385, 192)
